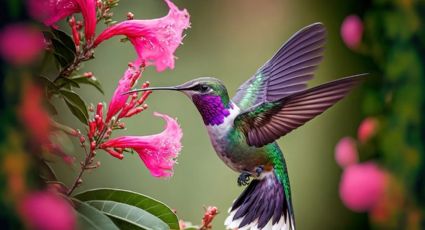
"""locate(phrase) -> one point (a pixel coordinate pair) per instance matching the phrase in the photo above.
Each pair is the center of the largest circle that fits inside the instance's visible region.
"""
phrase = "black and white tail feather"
(262, 205)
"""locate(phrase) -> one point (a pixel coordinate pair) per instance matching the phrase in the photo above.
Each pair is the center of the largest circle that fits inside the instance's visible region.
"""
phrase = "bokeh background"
(229, 40)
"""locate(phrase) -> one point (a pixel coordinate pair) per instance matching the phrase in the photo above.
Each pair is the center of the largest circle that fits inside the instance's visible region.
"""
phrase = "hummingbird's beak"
(177, 88)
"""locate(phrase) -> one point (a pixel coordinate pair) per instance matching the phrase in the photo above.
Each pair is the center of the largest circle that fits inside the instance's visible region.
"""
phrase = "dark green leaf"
(76, 105)
(46, 172)
(146, 203)
(67, 82)
(91, 218)
(65, 39)
(128, 216)
(77, 112)
(63, 50)
(50, 86)
(90, 81)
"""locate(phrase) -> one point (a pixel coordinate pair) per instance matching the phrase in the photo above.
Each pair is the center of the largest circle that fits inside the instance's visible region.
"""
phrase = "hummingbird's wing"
(265, 123)
(288, 71)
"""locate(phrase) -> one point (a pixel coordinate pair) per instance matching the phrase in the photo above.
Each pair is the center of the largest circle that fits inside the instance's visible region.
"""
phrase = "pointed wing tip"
(357, 78)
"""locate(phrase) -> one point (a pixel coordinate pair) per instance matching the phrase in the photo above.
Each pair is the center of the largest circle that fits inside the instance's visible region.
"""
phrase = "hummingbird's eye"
(204, 88)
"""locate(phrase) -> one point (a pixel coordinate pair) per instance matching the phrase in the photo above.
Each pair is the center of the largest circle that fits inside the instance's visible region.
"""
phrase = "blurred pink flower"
(33, 116)
(158, 152)
(352, 31)
(155, 40)
(47, 211)
(51, 11)
(127, 81)
(367, 129)
(362, 185)
(20, 44)
(346, 152)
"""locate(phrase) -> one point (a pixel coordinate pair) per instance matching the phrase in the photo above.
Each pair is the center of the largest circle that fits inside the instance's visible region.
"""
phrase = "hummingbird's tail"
(262, 205)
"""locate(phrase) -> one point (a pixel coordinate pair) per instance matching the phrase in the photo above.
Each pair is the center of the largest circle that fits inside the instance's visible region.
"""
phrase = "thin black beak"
(177, 88)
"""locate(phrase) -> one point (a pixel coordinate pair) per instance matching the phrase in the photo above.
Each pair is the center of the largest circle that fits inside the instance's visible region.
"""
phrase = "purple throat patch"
(211, 108)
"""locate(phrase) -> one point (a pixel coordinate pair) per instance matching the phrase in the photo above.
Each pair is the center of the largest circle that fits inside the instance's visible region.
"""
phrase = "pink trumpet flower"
(119, 99)
(52, 11)
(158, 152)
(155, 40)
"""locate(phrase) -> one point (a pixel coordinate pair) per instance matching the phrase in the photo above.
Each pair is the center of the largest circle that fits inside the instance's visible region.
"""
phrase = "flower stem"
(89, 157)
(82, 56)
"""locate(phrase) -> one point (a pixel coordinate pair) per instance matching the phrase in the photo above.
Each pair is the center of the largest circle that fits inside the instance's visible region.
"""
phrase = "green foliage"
(88, 81)
(76, 105)
(63, 47)
(128, 217)
(91, 218)
(394, 41)
(117, 204)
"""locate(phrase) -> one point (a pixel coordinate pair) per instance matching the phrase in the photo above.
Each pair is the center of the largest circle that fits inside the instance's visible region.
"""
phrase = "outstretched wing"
(269, 121)
(288, 71)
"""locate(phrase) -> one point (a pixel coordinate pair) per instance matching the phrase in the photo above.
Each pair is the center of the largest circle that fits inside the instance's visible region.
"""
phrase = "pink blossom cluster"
(362, 184)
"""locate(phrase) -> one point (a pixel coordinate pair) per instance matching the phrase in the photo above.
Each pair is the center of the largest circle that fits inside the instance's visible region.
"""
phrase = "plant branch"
(89, 157)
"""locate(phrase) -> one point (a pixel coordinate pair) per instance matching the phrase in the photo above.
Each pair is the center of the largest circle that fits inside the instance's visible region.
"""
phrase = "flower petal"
(126, 82)
(155, 40)
(51, 11)
(158, 151)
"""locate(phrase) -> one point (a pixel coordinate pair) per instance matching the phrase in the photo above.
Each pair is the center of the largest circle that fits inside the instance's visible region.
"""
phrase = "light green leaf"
(89, 81)
(128, 217)
(91, 218)
(146, 203)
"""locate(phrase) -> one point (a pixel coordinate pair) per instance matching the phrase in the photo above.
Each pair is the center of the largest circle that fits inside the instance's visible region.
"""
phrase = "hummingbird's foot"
(243, 178)
(259, 170)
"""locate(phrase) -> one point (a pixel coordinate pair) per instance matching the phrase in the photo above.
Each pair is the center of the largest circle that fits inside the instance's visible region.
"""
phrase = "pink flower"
(367, 129)
(47, 211)
(352, 31)
(362, 185)
(33, 116)
(346, 152)
(155, 40)
(158, 152)
(127, 81)
(52, 11)
(20, 44)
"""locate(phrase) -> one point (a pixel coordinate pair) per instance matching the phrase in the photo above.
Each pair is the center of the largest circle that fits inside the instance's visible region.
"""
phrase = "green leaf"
(77, 112)
(91, 218)
(50, 86)
(89, 81)
(67, 82)
(191, 228)
(46, 172)
(63, 47)
(146, 203)
(127, 216)
(65, 39)
(76, 105)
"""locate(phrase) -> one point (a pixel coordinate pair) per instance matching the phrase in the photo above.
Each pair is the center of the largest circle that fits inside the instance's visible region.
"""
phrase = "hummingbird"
(244, 129)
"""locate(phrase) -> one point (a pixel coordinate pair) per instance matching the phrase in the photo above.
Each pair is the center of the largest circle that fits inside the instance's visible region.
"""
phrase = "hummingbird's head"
(208, 94)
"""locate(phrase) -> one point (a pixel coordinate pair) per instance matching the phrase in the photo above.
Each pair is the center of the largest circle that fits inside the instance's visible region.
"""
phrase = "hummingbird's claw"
(243, 178)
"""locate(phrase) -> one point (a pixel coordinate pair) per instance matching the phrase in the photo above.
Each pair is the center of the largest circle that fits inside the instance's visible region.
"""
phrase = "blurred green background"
(230, 40)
